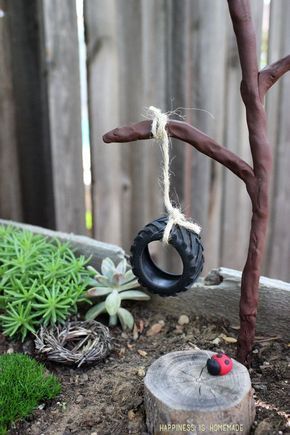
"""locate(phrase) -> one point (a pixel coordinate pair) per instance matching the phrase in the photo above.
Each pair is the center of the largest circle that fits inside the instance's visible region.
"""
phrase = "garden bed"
(108, 398)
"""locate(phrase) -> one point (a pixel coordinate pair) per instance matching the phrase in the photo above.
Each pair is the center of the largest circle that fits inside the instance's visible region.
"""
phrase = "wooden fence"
(165, 53)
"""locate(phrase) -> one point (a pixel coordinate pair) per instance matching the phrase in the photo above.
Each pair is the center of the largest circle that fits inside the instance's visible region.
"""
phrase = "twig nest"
(75, 343)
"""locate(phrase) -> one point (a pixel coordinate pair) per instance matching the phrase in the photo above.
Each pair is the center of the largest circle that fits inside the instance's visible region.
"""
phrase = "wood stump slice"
(181, 398)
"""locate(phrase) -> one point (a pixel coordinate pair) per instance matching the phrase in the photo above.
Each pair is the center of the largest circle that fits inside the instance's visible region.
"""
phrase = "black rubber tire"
(187, 244)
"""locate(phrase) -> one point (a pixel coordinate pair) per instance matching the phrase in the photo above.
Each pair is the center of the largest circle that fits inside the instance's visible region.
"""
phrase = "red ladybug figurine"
(219, 364)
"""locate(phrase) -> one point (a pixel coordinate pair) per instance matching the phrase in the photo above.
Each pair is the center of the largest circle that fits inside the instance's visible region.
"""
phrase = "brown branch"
(262, 161)
(271, 73)
(185, 132)
(240, 12)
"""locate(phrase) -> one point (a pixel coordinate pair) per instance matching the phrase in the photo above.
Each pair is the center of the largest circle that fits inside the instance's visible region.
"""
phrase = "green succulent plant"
(117, 283)
(41, 281)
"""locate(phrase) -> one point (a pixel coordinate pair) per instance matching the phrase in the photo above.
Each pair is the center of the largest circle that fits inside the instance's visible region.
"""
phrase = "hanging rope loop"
(175, 215)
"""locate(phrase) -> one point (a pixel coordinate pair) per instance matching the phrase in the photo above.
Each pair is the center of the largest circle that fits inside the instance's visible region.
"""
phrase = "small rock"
(85, 377)
(261, 387)
(265, 367)
(28, 346)
(142, 352)
(10, 350)
(141, 372)
(131, 415)
(217, 340)
(79, 399)
(183, 320)
(178, 329)
(161, 322)
(264, 428)
(154, 330)
(110, 410)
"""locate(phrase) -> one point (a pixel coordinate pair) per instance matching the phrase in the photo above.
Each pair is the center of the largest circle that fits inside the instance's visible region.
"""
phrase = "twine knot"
(175, 215)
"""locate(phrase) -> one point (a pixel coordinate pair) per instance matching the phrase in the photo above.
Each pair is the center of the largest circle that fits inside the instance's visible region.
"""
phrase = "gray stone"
(83, 245)
(218, 295)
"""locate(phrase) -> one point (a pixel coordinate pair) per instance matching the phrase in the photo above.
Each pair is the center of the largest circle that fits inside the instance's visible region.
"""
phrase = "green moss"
(24, 384)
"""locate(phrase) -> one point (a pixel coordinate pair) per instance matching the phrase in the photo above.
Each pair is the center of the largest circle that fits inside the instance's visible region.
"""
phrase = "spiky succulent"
(41, 281)
(117, 283)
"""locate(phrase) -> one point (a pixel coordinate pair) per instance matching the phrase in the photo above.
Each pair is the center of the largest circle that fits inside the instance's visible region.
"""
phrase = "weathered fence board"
(278, 107)
(61, 58)
(135, 157)
(165, 53)
(208, 88)
(32, 132)
(102, 67)
(10, 191)
(154, 73)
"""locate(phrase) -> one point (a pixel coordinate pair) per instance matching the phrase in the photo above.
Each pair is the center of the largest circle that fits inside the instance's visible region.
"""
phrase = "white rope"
(175, 216)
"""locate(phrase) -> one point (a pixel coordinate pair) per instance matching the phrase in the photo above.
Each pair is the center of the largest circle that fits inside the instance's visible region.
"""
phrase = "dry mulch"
(108, 398)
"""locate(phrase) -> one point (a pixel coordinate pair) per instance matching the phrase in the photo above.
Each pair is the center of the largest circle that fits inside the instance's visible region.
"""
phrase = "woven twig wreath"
(75, 343)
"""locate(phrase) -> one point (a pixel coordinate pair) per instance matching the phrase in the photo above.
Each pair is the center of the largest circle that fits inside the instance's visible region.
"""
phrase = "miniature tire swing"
(174, 229)
(187, 244)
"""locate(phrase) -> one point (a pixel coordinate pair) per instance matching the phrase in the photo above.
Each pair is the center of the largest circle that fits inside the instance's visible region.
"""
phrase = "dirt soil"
(108, 398)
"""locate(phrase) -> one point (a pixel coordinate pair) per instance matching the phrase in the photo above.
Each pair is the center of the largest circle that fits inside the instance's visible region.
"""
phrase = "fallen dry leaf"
(154, 330)
(142, 352)
(141, 326)
(229, 339)
(131, 415)
(122, 351)
(262, 339)
(135, 332)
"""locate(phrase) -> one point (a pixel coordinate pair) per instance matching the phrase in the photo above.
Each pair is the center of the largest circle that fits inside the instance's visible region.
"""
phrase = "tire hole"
(165, 257)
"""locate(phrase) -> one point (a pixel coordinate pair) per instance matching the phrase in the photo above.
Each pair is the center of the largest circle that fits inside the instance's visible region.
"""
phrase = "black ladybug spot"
(227, 361)
(213, 367)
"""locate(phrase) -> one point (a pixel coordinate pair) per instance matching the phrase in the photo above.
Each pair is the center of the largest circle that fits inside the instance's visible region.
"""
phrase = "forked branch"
(185, 132)
(271, 73)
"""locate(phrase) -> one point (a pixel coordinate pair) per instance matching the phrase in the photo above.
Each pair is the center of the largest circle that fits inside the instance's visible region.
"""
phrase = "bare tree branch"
(185, 132)
(240, 12)
(271, 73)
